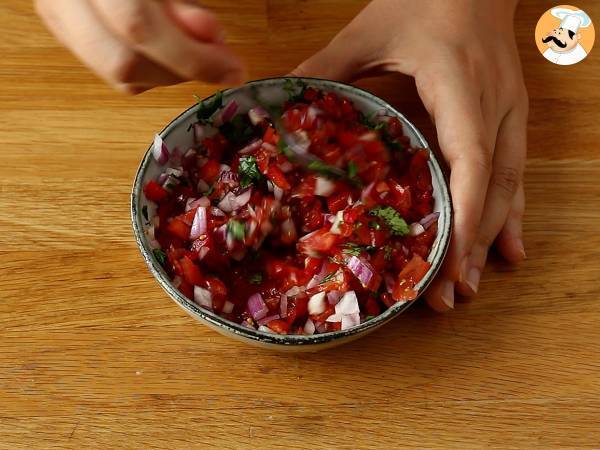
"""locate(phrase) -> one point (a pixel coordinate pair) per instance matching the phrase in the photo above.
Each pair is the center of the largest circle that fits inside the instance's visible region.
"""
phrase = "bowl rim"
(290, 339)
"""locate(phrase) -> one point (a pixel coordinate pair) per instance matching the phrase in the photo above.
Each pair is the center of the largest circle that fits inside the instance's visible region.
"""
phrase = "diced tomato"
(210, 170)
(270, 136)
(312, 265)
(394, 128)
(310, 94)
(347, 139)
(337, 201)
(372, 307)
(155, 192)
(279, 326)
(317, 242)
(186, 289)
(178, 228)
(275, 174)
(191, 272)
(215, 146)
(414, 271)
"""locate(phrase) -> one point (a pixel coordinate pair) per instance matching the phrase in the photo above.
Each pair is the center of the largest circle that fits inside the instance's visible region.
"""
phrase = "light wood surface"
(93, 354)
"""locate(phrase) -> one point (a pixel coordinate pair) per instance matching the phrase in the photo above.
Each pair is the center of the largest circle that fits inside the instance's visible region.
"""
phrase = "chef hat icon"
(571, 19)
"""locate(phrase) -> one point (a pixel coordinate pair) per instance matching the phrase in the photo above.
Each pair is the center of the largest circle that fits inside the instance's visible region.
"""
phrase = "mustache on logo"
(556, 41)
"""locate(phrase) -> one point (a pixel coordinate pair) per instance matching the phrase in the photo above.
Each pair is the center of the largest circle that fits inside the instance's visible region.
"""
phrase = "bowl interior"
(178, 134)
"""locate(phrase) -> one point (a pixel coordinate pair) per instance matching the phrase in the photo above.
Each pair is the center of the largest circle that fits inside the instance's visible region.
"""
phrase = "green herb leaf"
(208, 108)
(369, 317)
(352, 251)
(145, 211)
(392, 219)
(248, 169)
(328, 277)
(160, 256)
(210, 191)
(323, 169)
(256, 278)
(236, 229)
(238, 130)
(352, 169)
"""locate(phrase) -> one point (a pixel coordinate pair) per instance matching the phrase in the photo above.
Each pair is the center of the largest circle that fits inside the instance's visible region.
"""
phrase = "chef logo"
(565, 35)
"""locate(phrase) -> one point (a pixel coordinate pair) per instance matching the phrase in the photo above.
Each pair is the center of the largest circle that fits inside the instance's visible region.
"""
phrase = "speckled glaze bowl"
(177, 134)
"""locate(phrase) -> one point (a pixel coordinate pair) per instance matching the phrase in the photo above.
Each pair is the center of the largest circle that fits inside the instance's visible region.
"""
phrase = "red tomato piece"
(279, 326)
(317, 242)
(275, 174)
(210, 170)
(155, 192)
(414, 271)
(178, 228)
(191, 272)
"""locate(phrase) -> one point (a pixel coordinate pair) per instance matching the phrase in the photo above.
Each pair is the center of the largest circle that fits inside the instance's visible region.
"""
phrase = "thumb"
(334, 62)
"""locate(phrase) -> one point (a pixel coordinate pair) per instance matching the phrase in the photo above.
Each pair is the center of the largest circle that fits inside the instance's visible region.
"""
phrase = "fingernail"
(521, 248)
(448, 294)
(473, 278)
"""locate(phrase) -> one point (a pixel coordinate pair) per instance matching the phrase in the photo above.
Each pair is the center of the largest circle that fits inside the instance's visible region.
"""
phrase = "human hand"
(136, 45)
(464, 59)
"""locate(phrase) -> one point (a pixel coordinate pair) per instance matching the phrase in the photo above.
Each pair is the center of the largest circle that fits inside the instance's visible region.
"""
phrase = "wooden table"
(94, 354)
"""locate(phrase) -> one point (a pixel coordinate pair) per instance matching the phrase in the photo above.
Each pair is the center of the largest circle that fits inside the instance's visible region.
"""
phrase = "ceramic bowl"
(177, 134)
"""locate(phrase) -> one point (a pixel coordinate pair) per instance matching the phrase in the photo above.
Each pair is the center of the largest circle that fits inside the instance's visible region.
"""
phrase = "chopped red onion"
(232, 202)
(200, 132)
(416, 229)
(270, 148)
(317, 304)
(309, 327)
(389, 282)
(337, 221)
(254, 145)
(361, 269)
(277, 192)
(257, 115)
(334, 318)
(321, 327)
(264, 329)
(226, 114)
(429, 220)
(312, 112)
(366, 192)
(230, 178)
(257, 307)
(294, 290)
(266, 320)
(333, 297)
(369, 136)
(202, 253)
(216, 212)
(288, 228)
(200, 224)
(224, 168)
(348, 304)
(350, 320)
(324, 187)
(283, 306)
(160, 151)
(318, 277)
(203, 297)
(286, 166)
(227, 307)
(162, 178)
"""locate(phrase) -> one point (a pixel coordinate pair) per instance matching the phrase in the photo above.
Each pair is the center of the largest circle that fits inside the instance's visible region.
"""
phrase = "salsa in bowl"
(292, 212)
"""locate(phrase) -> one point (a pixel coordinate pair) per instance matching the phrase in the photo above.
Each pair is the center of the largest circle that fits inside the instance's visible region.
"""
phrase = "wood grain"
(94, 355)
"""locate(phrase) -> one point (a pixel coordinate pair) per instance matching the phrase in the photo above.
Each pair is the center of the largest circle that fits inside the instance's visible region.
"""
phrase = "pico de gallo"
(246, 230)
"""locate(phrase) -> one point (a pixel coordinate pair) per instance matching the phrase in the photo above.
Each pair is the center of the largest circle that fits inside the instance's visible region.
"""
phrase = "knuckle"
(133, 20)
(507, 180)
(124, 68)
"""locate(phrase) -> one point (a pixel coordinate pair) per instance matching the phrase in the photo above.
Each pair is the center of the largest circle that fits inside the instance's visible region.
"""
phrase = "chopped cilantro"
(354, 251)
(145, 211)
(208, 108)
(291, 86)
(238, 130)
(210, 191)
(324, 169)
(328, 277)
(375, 225)
(248, 169)
(255, 278)
(369, 317)
(160, 256)
(392, 219)
(352, 169)
(285, 150)
(236, 229)
(388, 252)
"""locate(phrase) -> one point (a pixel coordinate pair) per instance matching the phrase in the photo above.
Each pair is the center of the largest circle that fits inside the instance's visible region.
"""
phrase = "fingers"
(145, 26)
(199, 23)
(454, 103)
(331, 63)
(77, 26)
(510, 240)
(508, 165)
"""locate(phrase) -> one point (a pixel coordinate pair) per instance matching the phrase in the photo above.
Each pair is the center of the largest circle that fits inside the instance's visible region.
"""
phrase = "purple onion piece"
(257, 307)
